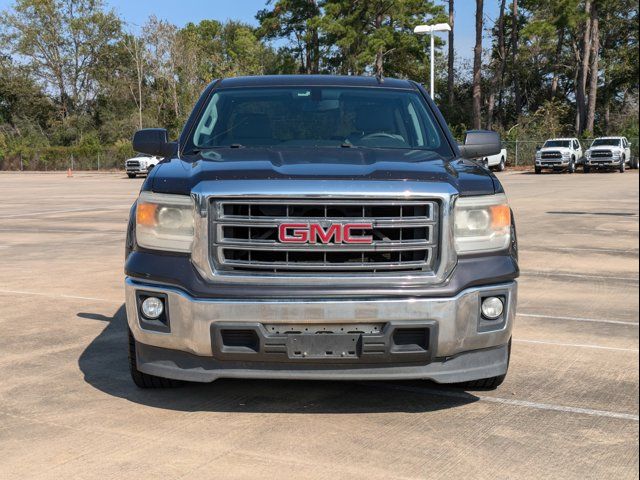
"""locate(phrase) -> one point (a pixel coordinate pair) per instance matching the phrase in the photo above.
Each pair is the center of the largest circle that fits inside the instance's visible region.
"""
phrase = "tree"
(514, 53)
(136, 51)
(60, 41)
(377, 36)
(451, 56)
(477, 68)
(583, 52)
(498, 64)
(593, 69)
(297, 21)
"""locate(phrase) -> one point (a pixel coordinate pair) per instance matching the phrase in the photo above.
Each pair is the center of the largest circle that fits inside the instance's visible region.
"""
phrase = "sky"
(136, 12)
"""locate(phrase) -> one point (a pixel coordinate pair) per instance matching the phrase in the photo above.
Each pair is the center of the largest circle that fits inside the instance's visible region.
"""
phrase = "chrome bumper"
(459, 323)
(604, 161)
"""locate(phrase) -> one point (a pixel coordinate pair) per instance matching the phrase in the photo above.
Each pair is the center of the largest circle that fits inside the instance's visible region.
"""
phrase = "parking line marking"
(570, 249)
(577, 319)
(508, 401)
(577, 275)
(53, 295)
(576, 345)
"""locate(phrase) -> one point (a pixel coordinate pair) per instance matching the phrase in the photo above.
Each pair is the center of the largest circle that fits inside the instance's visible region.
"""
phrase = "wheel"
(131, 175)
(490, 383)
(572, 166)
(587, 169)
(502, 166)
(149, 168)
(144, 380)
(538, 170)
(634, 163)
(623, 165)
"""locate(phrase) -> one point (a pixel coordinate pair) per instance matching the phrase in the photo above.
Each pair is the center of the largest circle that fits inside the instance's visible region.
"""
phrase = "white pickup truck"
(498, 161)
(559, 154)
(140, 164)
(610, 152)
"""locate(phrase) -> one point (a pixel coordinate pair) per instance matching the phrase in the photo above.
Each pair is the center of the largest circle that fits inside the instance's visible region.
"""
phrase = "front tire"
(502, 166)
(587, 169)
(131, 175)
(623, 165)
(572, 166)
(144, 380)
(538, 170)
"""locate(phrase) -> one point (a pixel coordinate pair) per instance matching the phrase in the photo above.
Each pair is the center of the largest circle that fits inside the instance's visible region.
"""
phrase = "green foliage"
(73, 83)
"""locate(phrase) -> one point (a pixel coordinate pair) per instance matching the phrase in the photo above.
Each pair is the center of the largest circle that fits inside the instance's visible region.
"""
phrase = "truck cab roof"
(314, 80)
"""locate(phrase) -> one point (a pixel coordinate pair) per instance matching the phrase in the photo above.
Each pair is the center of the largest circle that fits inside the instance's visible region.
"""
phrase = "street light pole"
(423, 29)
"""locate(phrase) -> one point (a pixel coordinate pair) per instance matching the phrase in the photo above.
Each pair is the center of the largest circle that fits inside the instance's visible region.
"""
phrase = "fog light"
(152, 307)
(492, 308)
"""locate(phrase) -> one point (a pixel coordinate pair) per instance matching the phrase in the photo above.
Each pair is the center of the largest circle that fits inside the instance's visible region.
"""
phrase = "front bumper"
(559, 163)
(461, 344)
(136, 169)
(603, 162)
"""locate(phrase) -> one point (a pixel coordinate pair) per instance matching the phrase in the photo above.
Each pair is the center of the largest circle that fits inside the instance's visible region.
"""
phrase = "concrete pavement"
(569, 407)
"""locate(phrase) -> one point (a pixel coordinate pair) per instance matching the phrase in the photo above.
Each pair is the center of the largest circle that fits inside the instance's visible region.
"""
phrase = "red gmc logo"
(316, 233)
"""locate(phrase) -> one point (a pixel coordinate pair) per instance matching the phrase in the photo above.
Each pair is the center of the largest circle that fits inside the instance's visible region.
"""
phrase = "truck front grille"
(403, 236)
(133, 163)
(551, 155)
(601, 153)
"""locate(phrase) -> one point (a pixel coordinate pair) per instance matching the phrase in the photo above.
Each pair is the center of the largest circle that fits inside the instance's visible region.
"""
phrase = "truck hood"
(180, 176)
(556, 149)
(605, 148)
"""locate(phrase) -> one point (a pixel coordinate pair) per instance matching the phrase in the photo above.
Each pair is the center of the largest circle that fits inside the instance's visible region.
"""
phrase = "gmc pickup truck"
(319, 227)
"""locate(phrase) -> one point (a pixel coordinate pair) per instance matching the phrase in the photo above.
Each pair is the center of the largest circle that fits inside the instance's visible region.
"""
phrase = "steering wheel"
(379, 135)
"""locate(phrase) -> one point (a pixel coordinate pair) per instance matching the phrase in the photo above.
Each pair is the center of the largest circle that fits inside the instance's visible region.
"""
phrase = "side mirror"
(154, 141)
(480, 143)
(538, 148)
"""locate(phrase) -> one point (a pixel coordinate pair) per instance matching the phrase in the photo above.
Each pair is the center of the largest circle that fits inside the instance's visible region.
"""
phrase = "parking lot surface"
(68, 409)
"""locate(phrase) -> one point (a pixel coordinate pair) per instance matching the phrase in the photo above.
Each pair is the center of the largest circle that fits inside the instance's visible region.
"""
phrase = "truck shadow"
(104, 364)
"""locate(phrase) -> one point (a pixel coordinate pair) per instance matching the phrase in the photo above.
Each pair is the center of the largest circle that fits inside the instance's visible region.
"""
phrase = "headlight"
(482, 224)
(164, 222)
(587, 154)
(538, 155)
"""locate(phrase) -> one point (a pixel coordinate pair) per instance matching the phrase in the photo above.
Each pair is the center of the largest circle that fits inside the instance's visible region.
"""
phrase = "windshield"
(318, 117)
(558, 143)
(610, 142)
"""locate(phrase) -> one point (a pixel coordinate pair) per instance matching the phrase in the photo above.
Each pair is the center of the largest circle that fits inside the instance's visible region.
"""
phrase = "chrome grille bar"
(244, 235)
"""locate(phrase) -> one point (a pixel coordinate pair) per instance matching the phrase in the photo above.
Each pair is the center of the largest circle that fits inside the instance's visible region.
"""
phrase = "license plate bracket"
(323, 346)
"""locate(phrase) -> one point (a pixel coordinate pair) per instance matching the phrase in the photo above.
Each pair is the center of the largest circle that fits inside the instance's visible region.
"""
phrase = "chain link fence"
(523, 152)
(519, 153)
(62, 158)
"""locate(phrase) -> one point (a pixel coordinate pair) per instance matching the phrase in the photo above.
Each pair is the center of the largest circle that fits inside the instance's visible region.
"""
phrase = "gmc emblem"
(316, 233)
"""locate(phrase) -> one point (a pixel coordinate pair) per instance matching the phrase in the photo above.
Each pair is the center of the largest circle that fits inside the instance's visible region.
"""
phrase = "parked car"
(609, 152)
(140, 164)
(319, 227)
(559, 154)
(497, 161)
